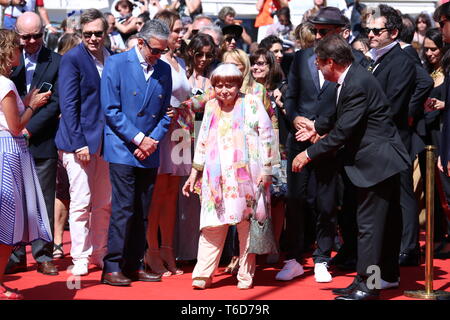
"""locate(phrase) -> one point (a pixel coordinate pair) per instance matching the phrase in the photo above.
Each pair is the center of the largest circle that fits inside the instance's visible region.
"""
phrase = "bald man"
(37, 66)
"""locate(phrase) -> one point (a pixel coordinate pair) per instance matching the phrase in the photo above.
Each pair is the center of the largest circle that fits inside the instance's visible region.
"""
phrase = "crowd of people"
(152, 132)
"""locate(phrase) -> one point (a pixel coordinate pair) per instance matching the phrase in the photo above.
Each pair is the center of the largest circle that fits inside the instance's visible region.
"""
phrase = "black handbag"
(262, 239)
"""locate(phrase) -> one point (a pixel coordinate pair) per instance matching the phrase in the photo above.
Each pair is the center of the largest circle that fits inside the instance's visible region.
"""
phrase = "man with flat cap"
(311, 96)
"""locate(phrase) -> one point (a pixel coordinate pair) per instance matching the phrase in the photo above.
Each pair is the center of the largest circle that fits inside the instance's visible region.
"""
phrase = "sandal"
(233, 266)
(8, 294)
(58, 251)
(169, 260)
(154, 263)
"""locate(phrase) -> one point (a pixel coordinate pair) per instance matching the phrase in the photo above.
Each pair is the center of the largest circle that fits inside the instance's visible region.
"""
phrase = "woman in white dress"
(23, 215)
(175, 161)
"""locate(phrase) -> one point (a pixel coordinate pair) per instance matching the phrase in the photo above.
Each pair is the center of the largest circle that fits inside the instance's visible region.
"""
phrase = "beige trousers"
(210, 246)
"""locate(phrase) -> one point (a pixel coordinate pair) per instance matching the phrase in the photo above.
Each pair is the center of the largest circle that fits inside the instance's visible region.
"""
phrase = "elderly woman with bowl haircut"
(233, 157)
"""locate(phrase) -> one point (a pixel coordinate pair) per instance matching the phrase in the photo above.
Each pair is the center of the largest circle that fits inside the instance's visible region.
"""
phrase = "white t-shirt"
(7, 86)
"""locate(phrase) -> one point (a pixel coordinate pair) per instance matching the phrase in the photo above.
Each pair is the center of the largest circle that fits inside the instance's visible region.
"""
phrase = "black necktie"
(371, 66)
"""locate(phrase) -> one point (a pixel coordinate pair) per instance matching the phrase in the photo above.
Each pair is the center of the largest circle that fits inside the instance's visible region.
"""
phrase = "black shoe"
(12, 268)
(349, 289)
(409, 259)
(359, 295)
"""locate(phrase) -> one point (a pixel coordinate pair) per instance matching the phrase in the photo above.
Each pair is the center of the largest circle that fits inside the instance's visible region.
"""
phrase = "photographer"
(15, 8)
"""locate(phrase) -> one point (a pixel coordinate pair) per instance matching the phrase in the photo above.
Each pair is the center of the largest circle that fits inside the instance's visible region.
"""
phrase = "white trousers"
(210, 246)
(90, 206)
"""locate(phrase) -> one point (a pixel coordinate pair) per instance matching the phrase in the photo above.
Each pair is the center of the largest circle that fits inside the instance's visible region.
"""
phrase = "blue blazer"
(132, 105)
(82, 120)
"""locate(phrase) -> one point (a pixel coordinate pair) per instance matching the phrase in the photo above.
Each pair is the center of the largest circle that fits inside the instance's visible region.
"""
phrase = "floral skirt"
(23, 214)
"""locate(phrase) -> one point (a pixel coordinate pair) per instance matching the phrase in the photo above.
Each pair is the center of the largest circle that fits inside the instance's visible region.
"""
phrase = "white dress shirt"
(148, 71)
(30, 62)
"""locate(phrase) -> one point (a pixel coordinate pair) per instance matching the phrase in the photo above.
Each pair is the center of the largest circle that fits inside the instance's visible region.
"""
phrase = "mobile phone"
(45, 86)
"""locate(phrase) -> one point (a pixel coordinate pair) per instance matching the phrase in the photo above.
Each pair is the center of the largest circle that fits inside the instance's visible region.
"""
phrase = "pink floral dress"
(227, 195)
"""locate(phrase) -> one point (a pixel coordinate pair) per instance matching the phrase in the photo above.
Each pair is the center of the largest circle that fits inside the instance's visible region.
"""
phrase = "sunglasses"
(322, 32)
(199, 55)
(88, 34)
(155, 51)
(442, 23)
(29, 36)
(376, 31)
(230, 38)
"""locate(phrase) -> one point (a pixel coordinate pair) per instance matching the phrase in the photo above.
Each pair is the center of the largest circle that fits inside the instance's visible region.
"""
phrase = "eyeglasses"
(155, 51)
(29, 36)
(88, 34)
(376, 31)
(259, 63)
(199, 55)
(322, 32)
(442, 23)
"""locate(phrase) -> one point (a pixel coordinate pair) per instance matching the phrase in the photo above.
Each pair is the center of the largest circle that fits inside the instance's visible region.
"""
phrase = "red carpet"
(36, 286)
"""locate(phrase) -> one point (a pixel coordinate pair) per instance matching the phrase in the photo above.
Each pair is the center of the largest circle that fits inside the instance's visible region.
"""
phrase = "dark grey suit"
(374, 155)
(42, 127)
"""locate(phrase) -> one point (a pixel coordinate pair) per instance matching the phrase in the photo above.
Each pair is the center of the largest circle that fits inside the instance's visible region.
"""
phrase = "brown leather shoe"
(47, 268)
(115, 279)
(141, 275)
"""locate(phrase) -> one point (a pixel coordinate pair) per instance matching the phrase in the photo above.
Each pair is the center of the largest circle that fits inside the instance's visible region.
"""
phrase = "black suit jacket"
(304, 96)
(422, 89)
(44, 123)
(373, 150)
(396, 74)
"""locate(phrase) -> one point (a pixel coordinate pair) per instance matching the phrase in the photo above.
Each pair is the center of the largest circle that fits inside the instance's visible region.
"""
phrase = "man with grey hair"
(135, 94)
(79, 141)
(214, 31)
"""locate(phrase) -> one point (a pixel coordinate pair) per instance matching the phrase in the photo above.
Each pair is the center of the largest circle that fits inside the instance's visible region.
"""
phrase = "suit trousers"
(132, 190)
(296, 207)
(42, 251)
(379, 227)
(325, 173)
(90, 206)
(210, 248)
(410, 213)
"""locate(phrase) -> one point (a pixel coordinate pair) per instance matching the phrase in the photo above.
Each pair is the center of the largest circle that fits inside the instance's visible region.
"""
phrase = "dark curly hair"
(393, 18)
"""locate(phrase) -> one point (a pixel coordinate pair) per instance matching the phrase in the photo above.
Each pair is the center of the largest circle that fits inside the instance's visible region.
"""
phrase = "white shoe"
(321, 273)
(79, 268)
(290, 270)
(389, 285)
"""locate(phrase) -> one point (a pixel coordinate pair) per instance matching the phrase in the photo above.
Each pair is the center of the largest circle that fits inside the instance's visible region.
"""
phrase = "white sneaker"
(80, 268)
(321, 273)
(290, 270)
(389, 285)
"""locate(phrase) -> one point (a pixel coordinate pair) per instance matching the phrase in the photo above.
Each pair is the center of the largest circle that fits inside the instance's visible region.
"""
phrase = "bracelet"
(29, 107)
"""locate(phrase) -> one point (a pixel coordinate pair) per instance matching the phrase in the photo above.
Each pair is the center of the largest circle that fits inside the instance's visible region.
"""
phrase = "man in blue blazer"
(135, 93)
(79, 141)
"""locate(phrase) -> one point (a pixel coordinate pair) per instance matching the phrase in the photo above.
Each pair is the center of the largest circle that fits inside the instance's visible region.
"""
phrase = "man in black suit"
(310, 95)
(397, 75)
(374, 155)
(38, 65)
(410, 249)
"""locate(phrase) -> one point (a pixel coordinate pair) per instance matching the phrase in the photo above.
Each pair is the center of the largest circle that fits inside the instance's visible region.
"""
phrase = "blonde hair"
(242, 57)
(9, 42)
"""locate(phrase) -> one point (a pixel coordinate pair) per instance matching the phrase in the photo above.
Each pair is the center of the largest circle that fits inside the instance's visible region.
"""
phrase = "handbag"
(262, 239)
